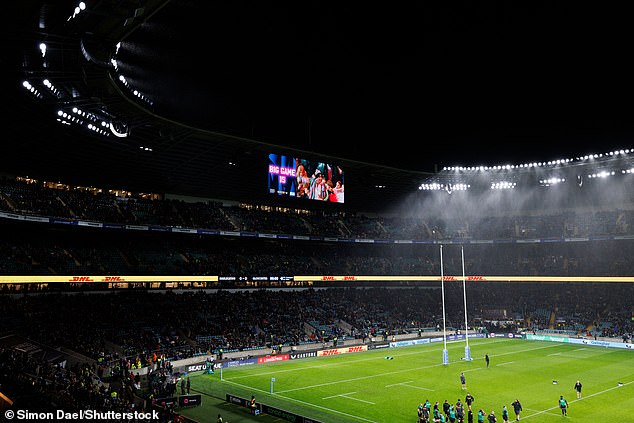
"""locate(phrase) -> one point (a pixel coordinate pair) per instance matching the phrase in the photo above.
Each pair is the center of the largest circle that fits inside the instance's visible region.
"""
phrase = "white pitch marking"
(357, 399)
(587, 396)
(397, 384)
(543, 412)
(473, 370)
(407, 384)
(339, 395)
(399, 371)
(310, 404)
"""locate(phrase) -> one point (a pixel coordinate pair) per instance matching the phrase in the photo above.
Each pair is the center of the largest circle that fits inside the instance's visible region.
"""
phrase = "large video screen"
(300, 178)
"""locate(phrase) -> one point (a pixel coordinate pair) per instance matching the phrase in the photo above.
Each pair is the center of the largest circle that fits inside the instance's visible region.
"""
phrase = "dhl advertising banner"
(81, 279)
(10, 279)
(344, 350)
(473, 278)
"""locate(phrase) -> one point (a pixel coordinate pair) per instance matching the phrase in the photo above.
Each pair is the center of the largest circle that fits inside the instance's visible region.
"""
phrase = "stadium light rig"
(122, 79)
(52, 88)
(104, 126)
(503, 185)
(551, 181)
(508, 176)
(551, 163)
(81, 6)
(603, 174)
(448, 188)
(32, 90)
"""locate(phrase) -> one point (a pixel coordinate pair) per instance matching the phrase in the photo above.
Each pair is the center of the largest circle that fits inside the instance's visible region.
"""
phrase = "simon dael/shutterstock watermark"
(80, 415)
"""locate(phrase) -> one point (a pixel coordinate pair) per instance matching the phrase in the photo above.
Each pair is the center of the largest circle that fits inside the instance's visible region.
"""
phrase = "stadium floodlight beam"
(445, 353)
(467, 350)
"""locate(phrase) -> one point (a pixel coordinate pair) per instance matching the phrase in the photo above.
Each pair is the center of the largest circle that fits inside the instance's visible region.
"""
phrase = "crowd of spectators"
(130, 328)
(34, 199)
(44, 249)
(119, 332)
(39, 385)
(600, 246)
(48, 251)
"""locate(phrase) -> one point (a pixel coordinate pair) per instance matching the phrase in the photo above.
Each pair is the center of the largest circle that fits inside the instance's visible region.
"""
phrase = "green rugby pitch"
(365, 387)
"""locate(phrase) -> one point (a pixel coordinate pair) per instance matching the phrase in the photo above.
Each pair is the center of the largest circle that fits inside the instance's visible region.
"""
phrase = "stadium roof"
(387, 92)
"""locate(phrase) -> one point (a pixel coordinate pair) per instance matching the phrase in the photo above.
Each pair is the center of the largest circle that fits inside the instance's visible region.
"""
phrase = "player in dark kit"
(517, 408)
(469, 400)
(445, 408)
(425, 414)
(578, 389)
(459, 411)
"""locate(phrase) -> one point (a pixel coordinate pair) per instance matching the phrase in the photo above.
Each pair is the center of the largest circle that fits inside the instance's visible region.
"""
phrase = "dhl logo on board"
(25, 279)
(345, 350)
(90, 279)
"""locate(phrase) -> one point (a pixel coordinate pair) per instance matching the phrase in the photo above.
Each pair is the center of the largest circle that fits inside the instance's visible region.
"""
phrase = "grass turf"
(367, 387)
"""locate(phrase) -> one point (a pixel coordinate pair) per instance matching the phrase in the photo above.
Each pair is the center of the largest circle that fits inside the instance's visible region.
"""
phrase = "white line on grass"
(504, 364)
(357, 399)
(589, 352)
(407, 384)
(344, 363)
(604, 391)
(398, 384)
(360, 378)
(278, 394)
(542, 412)
(339, 363)
(416, 387)
(310, 404)
(473, 370)
(339, 395)
(587, 396)
(395, 372)
(579, 357)
(529, 349)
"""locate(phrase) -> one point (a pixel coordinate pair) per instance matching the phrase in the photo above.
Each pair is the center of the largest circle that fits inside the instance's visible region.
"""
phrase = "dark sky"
(406, 84)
